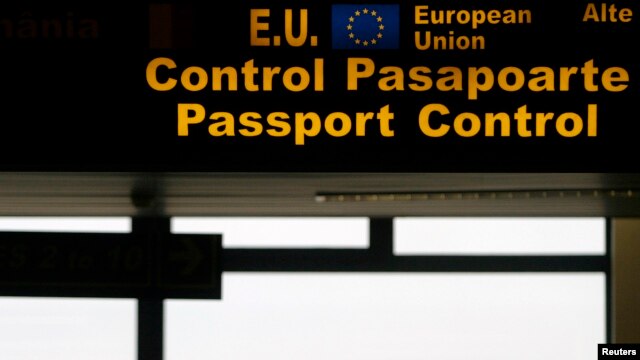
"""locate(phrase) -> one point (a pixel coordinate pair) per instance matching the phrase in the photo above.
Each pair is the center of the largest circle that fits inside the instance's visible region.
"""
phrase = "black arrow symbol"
(191, 255)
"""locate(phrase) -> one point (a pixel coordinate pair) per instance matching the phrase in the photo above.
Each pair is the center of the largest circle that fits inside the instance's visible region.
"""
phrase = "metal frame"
(378, 257)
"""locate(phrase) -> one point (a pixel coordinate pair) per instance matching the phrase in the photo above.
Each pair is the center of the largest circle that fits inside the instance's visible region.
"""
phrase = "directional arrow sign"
(190, 256)
(190, 266)
(110, 265)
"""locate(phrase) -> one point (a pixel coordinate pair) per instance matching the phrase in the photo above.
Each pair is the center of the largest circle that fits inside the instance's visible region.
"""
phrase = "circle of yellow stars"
(352, 20)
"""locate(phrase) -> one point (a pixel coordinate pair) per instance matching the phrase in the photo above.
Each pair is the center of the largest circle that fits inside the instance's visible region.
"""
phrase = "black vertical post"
(151, 305)
(381, 238)
(609, 281)
(150, 329)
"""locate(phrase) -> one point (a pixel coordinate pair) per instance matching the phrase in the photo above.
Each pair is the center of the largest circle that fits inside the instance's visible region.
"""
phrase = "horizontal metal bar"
(323, 260)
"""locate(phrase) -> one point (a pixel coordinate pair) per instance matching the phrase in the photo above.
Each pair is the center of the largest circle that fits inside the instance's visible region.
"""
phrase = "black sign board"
(110, 265)
(282, 86)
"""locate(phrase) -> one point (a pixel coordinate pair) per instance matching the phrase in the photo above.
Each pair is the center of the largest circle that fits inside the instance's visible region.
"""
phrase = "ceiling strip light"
(477, 195)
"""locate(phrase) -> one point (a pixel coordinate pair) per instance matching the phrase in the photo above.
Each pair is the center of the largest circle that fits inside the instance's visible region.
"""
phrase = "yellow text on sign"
(301, 125)
(261, 35)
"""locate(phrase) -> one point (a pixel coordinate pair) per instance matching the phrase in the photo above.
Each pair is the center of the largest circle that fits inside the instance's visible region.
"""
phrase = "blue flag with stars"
(365, 26)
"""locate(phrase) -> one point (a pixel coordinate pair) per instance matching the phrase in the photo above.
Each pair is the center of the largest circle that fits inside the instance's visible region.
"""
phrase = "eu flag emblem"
(365, 26)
